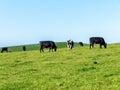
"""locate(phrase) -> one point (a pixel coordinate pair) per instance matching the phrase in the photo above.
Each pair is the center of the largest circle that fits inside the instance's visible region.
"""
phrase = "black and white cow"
(70, 44)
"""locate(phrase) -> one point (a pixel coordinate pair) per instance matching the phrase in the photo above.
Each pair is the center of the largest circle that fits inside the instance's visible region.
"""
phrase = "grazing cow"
(70, 44)
(24, 48)
(97, 40)
(4, 49)
(80, 43)
(47, 44)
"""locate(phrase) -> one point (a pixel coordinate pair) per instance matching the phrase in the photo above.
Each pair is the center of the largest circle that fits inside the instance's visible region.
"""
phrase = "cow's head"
(55, 49)
(105, 45)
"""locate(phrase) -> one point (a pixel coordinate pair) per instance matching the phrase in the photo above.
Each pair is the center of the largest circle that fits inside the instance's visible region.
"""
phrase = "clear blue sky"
(30, 21)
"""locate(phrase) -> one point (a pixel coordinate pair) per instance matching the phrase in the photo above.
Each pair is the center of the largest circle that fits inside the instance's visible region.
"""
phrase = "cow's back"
(45, 43)
(96, 40)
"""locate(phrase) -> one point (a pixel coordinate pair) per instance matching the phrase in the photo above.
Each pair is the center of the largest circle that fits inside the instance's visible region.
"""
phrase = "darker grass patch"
(56, 77)
(108, 75)
(17, 61)
(84, 69)
(69, 58)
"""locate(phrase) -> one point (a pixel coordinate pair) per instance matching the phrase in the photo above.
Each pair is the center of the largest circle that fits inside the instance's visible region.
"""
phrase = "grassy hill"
(61, 70)
(33, 47)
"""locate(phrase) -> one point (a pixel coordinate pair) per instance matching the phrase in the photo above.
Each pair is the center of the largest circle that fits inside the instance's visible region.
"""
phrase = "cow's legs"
(91, 46)
(71, 47)
(41, 49)
(50, 49)
(100, 45)
(68, 46)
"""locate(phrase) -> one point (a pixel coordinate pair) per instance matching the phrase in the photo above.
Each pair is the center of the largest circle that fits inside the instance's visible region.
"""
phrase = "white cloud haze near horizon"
(30, 21)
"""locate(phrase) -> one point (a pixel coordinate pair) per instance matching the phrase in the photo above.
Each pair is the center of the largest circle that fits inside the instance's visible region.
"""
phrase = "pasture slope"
(61, 70)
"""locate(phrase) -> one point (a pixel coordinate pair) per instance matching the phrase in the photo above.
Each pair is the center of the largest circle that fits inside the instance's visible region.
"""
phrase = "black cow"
(4, 49)
(24, 48)
(70, 44)
(81, 43)
(47, 44)
(97, 40)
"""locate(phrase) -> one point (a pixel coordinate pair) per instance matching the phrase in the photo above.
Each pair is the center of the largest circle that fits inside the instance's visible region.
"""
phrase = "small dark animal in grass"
(81, 43)
(97, 40)
(47, 44)
(95, 62)
(24, 48)
(70, 44)
(5, 49)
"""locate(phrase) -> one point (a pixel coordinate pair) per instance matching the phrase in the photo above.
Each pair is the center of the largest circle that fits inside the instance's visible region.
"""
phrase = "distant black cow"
(24, 48)
(81, 43)
(70, 44)
(5, 49)
(97, 40)
(47, 44)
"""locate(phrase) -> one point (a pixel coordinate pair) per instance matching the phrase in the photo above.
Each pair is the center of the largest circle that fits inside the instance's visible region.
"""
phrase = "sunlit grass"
(61, 70)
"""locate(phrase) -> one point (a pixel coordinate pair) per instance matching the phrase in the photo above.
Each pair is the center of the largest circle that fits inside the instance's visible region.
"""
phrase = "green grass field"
(61, 70)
